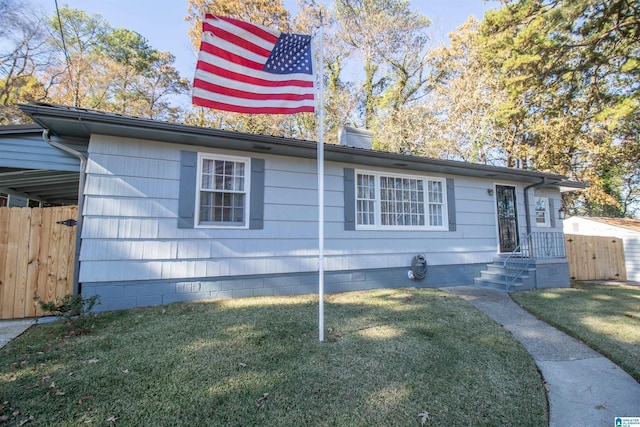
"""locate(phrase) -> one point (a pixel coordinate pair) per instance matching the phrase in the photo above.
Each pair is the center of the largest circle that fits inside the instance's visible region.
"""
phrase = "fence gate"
(37, 248)
(595, 257)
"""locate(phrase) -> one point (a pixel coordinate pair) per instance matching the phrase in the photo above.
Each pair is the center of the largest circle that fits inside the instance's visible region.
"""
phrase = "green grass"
(605, 317)
(390, 355)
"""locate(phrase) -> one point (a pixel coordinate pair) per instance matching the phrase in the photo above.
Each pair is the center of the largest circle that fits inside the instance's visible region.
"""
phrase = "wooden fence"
(595, 257)
(36, 258)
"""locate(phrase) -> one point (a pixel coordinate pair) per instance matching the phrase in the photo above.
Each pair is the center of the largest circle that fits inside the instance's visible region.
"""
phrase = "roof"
(628, 223)
(79, 123)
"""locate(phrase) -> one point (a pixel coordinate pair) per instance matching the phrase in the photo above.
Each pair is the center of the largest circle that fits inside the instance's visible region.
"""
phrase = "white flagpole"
(321, 188)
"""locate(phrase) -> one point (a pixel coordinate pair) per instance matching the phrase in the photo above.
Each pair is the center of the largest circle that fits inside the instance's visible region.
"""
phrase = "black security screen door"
(507, 218)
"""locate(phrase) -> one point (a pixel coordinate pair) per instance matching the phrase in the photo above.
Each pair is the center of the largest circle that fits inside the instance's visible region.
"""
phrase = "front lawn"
(393, 357)
(605, 317)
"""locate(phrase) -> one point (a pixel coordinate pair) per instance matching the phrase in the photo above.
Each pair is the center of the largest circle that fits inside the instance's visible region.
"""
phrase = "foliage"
(572, 69)
(392, 356)
(69, 306)
(23, 54)
(111, 69)
(391, 41)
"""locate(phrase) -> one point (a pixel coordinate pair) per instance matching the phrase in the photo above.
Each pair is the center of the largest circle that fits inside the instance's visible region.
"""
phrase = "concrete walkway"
(9, 329)
(584, 388)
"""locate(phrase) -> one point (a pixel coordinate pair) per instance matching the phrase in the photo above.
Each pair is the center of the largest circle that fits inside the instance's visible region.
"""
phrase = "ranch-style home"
(170, 212)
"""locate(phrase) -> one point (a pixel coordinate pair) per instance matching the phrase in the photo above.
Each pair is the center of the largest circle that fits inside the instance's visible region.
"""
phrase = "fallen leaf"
(242, 365)
(112, 419)
(126, 371)
(93, 360)
(262, 401)
(52, 385)
(31, 418)
(59, 393)
(424, 417)
(83, 398)
(4, 419)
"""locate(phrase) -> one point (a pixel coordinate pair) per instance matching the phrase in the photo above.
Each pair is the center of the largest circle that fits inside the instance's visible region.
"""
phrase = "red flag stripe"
(223, 72)
(231, 57)
(252, 28)
(250, 110)
(214, 88)
(236, 40)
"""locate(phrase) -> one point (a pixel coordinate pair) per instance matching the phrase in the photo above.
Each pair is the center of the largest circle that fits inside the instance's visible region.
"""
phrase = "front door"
(507, 218)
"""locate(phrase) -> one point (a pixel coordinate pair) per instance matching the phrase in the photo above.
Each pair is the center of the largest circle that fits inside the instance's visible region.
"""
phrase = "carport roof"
(32, 172)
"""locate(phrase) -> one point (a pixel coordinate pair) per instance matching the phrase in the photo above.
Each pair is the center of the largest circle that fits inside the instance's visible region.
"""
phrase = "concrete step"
(498, 285)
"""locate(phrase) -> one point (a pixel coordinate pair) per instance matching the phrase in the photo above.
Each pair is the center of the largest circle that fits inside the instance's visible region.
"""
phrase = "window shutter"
(349, 199)
(256, 215)
(187, 189)
(451, 204)
(551, 213)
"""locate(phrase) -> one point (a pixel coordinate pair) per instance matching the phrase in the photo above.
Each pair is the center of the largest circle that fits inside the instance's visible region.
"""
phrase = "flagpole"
(321, 188)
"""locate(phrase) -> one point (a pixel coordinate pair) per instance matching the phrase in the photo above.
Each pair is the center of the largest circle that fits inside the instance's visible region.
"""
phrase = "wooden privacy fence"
(36, 258)
(595, 257)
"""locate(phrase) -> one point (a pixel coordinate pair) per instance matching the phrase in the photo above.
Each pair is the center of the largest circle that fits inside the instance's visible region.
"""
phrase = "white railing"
(535, 245)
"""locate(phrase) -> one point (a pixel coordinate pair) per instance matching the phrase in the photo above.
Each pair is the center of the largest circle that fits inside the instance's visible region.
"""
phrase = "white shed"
(623, 228)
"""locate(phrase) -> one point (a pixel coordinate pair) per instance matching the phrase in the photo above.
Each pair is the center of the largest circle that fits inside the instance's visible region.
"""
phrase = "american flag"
(248, 68)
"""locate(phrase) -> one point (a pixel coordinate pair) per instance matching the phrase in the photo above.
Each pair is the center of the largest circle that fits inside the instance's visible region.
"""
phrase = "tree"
(391, 41)
(572, 70)
(456, 119)
(23, 54)
(111, 69)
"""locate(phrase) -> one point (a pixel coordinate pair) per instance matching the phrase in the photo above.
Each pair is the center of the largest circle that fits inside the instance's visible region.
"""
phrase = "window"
(223, 183)
(542, 212)
(394, 201)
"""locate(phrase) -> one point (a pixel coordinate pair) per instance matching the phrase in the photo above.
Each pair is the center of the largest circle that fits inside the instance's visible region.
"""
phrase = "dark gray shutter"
(551, 213)
(256, 216)
(349, 199)
(451, 204)
(187, 190)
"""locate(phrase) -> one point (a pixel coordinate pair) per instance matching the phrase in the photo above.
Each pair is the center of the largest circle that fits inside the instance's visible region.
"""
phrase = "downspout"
(526, 202)
(83, 167)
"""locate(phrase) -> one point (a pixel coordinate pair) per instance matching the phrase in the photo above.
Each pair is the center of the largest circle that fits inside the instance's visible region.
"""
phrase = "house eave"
(80, 124)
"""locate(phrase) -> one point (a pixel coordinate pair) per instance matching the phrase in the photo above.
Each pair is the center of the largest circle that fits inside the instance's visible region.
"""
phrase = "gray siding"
(32, 152)
(131, 222)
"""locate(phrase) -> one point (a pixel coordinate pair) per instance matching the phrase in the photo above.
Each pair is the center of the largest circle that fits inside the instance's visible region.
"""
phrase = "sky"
(162, 22)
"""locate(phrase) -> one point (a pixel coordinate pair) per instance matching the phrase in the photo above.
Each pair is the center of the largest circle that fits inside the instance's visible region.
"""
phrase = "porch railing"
(543, 244)
(535, 245)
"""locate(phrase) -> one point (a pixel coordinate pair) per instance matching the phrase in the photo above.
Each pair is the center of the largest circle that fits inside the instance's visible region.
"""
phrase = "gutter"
(83, 167)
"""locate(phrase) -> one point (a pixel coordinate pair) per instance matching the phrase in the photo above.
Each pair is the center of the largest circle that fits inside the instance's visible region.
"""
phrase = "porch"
(539, 261)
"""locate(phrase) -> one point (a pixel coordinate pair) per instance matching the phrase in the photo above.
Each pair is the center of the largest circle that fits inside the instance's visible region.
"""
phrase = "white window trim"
(377, 209)
(247, 188)
(547, 222)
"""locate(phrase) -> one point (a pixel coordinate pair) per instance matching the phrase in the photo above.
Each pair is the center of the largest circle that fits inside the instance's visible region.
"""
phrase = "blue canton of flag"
(291, 54)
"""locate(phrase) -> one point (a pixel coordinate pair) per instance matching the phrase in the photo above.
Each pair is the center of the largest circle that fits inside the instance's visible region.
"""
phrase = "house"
(173, 212)
(622, 228)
